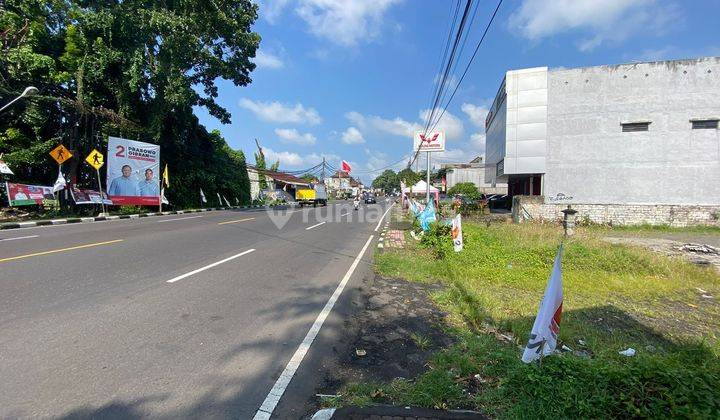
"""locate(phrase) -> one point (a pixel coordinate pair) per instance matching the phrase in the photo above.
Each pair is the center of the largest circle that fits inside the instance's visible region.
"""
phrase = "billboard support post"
(427, 194)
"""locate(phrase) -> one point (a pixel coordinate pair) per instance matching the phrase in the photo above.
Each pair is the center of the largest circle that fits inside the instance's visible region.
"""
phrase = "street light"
(29, 91)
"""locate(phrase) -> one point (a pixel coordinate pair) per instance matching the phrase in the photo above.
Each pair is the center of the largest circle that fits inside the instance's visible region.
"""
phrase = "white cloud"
(272, 9)
(373, 123)
(344, 22)
(296, 161)
(293, 136)
(268, 61)
(598, 20)
(449, 123)
(475, 113)
(477, 141)
(281, 113)
(397, 126)
(352, 136)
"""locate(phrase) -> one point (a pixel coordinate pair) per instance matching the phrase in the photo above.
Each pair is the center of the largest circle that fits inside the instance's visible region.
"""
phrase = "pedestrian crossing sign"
(95, 159)
(60, 154)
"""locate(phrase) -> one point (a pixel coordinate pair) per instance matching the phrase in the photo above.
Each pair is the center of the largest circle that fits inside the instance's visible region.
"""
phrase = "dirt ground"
(699, 249)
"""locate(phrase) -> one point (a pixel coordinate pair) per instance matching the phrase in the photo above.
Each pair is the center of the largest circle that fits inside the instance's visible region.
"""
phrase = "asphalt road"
(178, 316)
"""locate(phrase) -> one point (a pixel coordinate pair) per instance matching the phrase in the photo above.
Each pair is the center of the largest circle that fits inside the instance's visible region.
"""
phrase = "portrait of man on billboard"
(148, 187)
(124, 184)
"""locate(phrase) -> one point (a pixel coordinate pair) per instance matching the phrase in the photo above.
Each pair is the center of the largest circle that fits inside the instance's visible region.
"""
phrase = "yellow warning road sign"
(60, 154)
(95, 159)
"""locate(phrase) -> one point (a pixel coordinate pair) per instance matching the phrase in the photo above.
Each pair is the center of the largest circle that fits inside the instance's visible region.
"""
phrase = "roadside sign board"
(60, 154)
(429, 142)
(95, 159)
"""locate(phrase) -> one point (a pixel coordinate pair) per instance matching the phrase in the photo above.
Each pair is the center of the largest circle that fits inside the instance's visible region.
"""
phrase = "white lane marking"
(272, 399)
(383, 216)
(344, 214)
(19, 237)
(314, 226)
(179, 218)
(215, 264)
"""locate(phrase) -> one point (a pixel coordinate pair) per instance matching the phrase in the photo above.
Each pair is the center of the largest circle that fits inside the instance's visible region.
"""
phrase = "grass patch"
(646, 228)
(615, 297)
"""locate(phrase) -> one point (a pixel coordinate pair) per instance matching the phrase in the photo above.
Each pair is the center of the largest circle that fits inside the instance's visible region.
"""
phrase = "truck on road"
(315, 194)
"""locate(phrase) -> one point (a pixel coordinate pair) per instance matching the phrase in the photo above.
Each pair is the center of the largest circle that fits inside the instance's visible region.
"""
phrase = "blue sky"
(350, 79)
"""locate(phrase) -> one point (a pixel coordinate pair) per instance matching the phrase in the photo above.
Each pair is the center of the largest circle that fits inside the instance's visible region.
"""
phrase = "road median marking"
(19, 237)
(273, 398)
(236, 221)
(178, 218)
(314, 226)
(207, 267)
(54, 251)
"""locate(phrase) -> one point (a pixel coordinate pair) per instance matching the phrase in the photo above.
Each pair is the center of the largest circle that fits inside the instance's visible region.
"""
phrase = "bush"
(466, 189)
(438, 239)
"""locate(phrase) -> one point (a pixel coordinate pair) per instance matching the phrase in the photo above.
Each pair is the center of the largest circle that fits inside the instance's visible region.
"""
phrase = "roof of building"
(280, 176)
(340, 174)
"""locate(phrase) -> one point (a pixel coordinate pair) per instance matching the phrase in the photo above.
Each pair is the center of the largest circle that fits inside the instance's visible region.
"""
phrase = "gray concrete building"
(630, 143)
(473, 171)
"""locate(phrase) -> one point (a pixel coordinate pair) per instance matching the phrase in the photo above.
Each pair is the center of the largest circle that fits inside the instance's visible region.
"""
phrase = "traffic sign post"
(96, 160)
(60, 154)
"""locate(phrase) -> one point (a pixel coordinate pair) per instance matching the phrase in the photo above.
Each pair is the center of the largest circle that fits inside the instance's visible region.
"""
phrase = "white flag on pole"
(5, 169)
(457, 233)
(219, 199)
(543, 337)
(202, 196)
(162, 196)
(226, 201)
(60, 182)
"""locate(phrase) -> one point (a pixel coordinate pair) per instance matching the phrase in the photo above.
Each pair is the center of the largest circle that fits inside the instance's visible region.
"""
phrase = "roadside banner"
(219, 199)
(162, 197)
(429, 142)
(427, 216)
(202, 196)
(543, 337)
(5, 169)
(28, 195)
(226, 201)
(457, 233)
(82, 196)
(132, 172)
(60, 182)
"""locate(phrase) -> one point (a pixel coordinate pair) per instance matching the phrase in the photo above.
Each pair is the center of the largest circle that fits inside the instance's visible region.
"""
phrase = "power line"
(477, 47)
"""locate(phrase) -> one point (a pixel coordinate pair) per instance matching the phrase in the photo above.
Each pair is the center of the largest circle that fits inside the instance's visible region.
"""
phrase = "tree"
(309, 178)
(387, 181)
(275, 166)
(127, 68)
(466, 189)
(408, 176)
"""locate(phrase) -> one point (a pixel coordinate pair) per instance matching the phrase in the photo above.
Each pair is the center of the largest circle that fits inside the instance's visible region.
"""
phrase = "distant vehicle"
(316, 194)
(370, 199)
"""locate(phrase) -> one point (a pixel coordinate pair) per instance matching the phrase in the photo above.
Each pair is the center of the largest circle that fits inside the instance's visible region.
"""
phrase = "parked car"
(500, 202)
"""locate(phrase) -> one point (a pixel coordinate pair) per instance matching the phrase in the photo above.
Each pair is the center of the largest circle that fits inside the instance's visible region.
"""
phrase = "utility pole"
(427, 176)
(323, 171)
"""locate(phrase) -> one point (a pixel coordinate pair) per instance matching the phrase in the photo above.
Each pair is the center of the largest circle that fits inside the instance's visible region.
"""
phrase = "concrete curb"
(395, 412)
(20, 225)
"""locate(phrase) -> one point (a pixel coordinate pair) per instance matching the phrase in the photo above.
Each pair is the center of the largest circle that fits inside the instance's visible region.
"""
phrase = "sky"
(353, 79)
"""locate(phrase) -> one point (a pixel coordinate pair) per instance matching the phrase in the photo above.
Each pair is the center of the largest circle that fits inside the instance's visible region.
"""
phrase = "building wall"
(591, 161)
(526, 121)
(536, 208)
(477, 177)
(495, 138)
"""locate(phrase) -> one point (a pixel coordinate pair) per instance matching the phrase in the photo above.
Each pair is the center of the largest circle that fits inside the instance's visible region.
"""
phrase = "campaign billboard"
(28, 195)
(133, 170)
(81, 196)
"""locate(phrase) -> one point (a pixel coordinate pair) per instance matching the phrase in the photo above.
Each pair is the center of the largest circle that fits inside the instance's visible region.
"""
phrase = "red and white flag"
(346, 167)
(543, 337)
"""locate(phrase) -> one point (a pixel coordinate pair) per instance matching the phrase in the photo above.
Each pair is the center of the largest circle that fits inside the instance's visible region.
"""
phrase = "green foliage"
(387, 181)
(128, 69)
(438, 239)
(466, 189)
(615, 297)
(408, 176)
